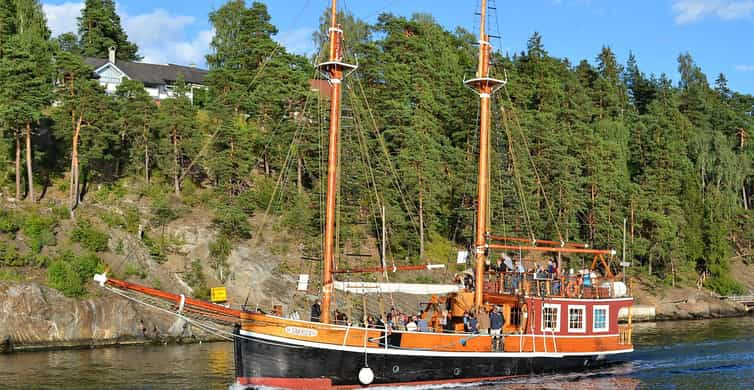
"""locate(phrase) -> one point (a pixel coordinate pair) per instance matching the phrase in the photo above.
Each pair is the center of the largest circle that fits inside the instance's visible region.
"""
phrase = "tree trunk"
(146, 154)
(18, 165)
(300, 175)
(421, 220)
(672, 270)
(29, 171)
(266, 164)
(176, 170)
(745, 198)
(74, 191)
(704, 184)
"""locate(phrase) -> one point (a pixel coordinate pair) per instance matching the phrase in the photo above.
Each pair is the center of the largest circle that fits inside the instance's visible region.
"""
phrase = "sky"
(719, 34)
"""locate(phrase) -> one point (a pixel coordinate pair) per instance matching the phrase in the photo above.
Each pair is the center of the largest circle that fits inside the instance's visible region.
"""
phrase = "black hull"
(257, 358)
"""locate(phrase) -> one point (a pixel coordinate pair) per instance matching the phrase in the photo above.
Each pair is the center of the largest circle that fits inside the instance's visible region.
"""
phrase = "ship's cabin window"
(600, 318)
(515, 316)
(576, 318)
(550, 318)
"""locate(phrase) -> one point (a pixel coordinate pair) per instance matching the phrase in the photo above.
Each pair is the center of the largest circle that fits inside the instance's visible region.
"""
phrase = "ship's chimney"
(111, 54)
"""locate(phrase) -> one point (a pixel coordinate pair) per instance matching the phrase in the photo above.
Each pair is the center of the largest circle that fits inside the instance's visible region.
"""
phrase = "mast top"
(482, 84)
(334, 67)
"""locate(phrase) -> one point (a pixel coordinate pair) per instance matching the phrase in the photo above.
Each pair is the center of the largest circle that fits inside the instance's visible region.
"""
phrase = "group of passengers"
(486, 323)
(504, 264)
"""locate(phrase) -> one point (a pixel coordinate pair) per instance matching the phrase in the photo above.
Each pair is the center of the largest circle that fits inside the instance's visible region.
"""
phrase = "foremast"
(484, 86)
(334, 69)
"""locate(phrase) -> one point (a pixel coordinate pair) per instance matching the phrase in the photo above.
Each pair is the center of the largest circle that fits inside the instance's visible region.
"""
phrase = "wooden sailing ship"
(552, 323)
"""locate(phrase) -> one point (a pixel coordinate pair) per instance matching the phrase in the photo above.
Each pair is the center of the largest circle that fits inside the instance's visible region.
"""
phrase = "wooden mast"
(333, 69)
(484, 86)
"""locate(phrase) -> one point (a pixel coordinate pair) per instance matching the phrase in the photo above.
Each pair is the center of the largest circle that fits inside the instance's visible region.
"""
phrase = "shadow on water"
(715, 354)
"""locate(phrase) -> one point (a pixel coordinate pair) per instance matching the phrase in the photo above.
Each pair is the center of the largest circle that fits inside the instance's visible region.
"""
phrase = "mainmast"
(333, 69)
(485, 87)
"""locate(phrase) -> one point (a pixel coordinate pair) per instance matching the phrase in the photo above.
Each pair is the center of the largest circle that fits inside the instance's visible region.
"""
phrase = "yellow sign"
(218, 294)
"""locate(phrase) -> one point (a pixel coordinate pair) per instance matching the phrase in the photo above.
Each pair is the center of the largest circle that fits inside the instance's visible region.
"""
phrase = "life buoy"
(366, 376)
(572, 290)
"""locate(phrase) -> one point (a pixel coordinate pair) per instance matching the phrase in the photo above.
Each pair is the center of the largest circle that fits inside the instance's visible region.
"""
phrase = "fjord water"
(708, 354)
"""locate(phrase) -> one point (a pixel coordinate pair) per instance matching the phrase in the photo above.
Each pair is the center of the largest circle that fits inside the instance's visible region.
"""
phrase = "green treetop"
(100, 29)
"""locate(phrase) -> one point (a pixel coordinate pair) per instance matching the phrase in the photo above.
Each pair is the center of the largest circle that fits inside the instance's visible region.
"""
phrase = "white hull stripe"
(413, 352)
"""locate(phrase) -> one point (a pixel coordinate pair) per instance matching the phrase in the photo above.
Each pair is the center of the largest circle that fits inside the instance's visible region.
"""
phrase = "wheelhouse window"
(577, 319)
(600, 318)
(515, 316)
(550, 318)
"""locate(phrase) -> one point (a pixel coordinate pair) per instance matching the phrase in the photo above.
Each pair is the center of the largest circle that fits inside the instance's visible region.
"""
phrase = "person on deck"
(551, 269)
(518, 276)
(316, 311)
(587, 279)
(499, 266)
(468, 282)
(484, 321)
(496, 329)
(411, 325)
(473, 324)
(421, 323)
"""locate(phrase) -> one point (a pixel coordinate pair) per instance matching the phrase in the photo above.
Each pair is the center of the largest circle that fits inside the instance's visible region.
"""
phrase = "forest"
(578, 146)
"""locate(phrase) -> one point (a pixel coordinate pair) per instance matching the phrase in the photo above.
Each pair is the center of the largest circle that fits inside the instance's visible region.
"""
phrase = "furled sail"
(405, 288)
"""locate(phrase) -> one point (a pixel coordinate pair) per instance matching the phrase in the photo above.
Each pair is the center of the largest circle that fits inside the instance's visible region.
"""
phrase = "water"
(715, 354)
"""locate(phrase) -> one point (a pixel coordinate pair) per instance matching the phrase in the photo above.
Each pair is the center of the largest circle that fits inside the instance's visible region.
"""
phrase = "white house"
(159, 80)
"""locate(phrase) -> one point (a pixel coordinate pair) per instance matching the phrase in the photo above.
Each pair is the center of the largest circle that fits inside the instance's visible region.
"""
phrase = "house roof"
(153, 73)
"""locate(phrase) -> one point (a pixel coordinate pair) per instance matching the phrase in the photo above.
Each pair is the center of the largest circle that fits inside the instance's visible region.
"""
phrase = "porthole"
(396, 369)
(456, 371)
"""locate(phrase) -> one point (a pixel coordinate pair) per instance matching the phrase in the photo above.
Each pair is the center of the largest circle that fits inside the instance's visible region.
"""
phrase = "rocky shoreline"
(686, 304)
(34, 317)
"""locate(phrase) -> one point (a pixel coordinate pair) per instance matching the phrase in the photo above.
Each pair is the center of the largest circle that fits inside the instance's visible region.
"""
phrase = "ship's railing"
(625, 332)
(548, 285)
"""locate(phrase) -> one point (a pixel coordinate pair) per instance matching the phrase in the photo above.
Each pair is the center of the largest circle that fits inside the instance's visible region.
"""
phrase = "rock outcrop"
(34, 316)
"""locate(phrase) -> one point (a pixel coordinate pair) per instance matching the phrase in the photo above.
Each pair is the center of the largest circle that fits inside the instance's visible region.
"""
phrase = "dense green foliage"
(70, 273)
(576, 147)
(89, 237)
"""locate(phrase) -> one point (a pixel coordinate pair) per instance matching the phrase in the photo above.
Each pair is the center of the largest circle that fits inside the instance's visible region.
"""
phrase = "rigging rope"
(517, 177)
(392, 170)
(534, 166)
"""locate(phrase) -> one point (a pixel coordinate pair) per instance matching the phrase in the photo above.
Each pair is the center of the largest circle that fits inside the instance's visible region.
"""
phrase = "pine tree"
(176, 121)
(68, 42)
(82, 113)
(7, 21)
(100, 29)
(26, 71)
(256, 86)
(137, 112)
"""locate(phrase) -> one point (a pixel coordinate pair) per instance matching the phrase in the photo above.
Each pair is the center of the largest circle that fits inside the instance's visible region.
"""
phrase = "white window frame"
(557, 317)
(582, 329)
(595, 329)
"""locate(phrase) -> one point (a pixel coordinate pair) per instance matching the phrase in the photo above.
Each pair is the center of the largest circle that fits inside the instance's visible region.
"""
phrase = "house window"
(110, 79)
(576, 318)
(551, 318)
(600, 318)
